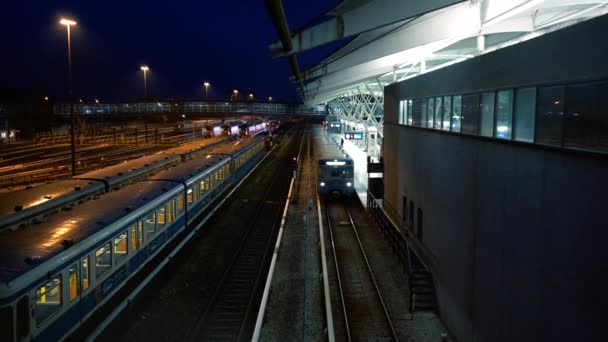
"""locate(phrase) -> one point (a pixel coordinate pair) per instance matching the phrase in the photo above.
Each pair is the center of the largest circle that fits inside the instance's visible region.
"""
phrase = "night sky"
(183, 42)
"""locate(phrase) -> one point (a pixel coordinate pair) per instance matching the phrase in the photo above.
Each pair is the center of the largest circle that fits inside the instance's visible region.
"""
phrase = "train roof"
(193, 146)
(31, 197)
(42, 241)
(327, 148)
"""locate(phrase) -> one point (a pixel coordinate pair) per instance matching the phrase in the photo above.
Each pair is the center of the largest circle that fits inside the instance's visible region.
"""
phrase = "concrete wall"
(519, 231)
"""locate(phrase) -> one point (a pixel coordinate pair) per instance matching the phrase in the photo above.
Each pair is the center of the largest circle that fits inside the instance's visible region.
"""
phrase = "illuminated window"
(86, 273)
(73, 282)
(180, 205)
(48, 299)
(120, 247)
(150, 223)
(190, 195)
(438, 112)
(103, 260)
(170, 211)
(202, 188)
(456, 113)
(525, 106)
(207, 184)
(140, 233)
(133, 230)
(487, 114)
(161, 217)
(447, 111)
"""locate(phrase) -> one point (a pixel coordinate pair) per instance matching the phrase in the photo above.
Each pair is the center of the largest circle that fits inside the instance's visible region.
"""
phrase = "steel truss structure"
(399, 39)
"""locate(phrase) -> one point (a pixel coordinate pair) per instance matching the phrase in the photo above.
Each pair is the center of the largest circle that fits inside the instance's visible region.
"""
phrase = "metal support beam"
(369, 16)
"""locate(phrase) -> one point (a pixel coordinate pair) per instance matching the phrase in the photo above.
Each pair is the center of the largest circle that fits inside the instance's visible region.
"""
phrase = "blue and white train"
(55, 274)
(32, 204)
(335, 169)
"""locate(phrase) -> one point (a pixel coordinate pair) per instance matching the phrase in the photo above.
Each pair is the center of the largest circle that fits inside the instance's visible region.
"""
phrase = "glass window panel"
(180, 205)
(140, 233)
(86, 272)
(487, 114)
(190, 195)
(73, 282)
(456, 112)
(470, 114)
(416, 112)
(438, 107)
(161, 217)
(586, 121)
(430, 112)
(549, 116)
(422, 122)
(525, 104)
(133, 231)
(120, 247)
(48, 299)
(103, 260)
(504, 111)
(171, 211)
(409, 112)
(447, 110)
(150, 223)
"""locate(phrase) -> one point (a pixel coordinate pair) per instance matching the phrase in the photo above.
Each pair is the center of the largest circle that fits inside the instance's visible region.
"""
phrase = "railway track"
(362, 313)
(231, 312)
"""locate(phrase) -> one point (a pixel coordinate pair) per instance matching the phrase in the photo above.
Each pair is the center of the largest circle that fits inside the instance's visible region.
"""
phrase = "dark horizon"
(224, 43)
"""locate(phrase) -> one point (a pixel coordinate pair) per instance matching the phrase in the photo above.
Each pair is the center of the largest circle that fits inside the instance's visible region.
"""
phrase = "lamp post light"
(206, 84)
(236, 94)
(145, 69)
(269, 98)
(68, 24)
(250, 96)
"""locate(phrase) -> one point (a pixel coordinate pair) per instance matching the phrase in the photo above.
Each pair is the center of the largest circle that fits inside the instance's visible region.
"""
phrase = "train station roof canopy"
(392, 40)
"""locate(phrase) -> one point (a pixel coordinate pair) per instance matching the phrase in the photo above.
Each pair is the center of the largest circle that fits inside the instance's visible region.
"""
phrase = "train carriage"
(54, 275)
(335, 169)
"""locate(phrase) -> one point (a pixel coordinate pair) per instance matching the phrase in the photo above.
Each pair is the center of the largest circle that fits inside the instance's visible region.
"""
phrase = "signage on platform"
(353, 136)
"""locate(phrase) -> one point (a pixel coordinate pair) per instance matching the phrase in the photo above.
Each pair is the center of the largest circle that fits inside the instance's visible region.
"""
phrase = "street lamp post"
(206, 84)
(236, 94)
(145, 69)
(68, 24)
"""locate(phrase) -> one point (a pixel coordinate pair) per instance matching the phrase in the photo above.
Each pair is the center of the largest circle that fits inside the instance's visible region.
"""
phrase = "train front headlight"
(349, 184)
(322, 184)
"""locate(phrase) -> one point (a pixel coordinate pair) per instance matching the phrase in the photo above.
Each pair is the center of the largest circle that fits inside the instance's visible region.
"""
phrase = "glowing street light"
(68, 24)
(250, 96)
(206, 84)
(46, 98)
(145, 69)
(269, 98)
(236, 94)
(97, 101)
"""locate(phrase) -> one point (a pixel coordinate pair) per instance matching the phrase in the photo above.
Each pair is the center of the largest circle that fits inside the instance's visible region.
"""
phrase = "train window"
(504, 111)
(447, 111)
(525, 105)
(409, 112)
(23, 317)
(456, 113)
(470, 114)
(48, 299)
(438, 113)
(73, 282)
(103, 260)
(430, 112)
(550, 115)
(197, 195)
(487, 114)
(120, 247)
(220, 174)
(586, 121)
(161, 217)
(150, 223)
(133, 230)
(140, 233)
(202, 188)
(86, 273)
(207, 184)
(190, 195)
(180, 205)
(6, 323)
(170, 211)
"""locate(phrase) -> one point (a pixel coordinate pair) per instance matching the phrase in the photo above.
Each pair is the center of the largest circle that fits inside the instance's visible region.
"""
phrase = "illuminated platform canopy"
(393, 40)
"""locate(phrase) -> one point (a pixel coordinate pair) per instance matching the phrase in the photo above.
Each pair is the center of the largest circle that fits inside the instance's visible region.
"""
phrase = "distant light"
(235, 91)
(46, 98)
(322, 184)
(80, 100)
(144, 68)
(269, 98)
(556, 102)
(349, 184)
(67, 22)
(183, 115)
(206, 84)
(250, 95)
(158, 103)
(502, 129)
(96, 101)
